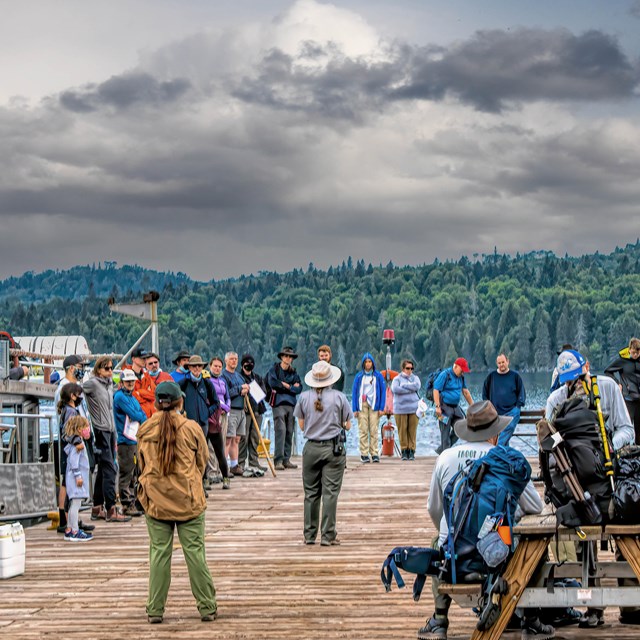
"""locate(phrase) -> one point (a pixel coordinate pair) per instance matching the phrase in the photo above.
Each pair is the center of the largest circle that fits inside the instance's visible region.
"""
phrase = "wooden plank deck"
(270, 585)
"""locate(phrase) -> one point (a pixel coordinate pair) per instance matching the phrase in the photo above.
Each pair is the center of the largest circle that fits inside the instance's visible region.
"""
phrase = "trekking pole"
(604, 441)
(247, 404)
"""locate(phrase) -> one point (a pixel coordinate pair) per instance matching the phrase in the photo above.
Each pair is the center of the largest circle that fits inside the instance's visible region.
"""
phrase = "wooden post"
(264, 448)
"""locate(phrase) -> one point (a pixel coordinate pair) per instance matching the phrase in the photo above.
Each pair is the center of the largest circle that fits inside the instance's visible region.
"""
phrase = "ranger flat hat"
(322, 374)
(482, 422)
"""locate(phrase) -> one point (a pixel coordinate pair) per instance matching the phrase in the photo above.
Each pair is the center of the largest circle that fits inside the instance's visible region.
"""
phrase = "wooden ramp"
(270, 585)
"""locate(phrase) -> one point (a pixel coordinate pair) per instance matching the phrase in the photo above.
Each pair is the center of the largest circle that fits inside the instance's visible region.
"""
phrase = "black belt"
(320, 441)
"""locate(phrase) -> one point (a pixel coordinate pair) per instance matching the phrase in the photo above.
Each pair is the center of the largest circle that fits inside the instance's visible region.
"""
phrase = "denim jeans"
(507, 432)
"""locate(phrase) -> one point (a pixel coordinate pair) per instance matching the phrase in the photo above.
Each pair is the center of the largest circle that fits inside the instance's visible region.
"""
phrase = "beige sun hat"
(322, 374)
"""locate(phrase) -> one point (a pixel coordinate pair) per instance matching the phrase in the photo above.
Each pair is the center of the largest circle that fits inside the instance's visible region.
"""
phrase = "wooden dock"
(270, 585)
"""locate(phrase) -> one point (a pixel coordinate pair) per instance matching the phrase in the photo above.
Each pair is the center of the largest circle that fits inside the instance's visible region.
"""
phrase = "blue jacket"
(405, 393)
(201, 400)
(124, 404)
(356, 390)
(234, 386)
(179, 375)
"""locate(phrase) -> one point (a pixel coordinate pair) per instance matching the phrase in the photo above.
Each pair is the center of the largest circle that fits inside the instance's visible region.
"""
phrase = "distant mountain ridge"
(524, 306)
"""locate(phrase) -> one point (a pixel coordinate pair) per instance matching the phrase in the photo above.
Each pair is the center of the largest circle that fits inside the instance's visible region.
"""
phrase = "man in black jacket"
(249, 443)
(286, 386)
(201, 400)
(626, 371)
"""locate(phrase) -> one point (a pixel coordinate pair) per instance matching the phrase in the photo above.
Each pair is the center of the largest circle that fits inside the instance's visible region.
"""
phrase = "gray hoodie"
(99, 394)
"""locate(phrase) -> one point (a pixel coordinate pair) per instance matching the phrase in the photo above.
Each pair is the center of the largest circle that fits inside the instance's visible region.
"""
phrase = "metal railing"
(23, 444)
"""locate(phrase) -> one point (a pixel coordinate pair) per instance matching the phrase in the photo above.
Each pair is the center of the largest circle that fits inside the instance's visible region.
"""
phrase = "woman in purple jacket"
(217, 423)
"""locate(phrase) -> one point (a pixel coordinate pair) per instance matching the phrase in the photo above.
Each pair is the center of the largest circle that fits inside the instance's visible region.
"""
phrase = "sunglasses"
(155, 362)
(108, 368)
(408, 368)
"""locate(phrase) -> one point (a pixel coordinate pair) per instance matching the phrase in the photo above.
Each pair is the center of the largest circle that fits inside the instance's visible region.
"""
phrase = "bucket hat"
(180, 355)
(195, 361)
(287, 351)
(322, 374)
(482, 422)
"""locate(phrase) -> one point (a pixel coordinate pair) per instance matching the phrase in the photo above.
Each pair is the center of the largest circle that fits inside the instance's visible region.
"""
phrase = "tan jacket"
(180, 495)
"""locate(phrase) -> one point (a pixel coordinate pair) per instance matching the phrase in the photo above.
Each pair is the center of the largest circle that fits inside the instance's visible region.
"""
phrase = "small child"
(76, 430)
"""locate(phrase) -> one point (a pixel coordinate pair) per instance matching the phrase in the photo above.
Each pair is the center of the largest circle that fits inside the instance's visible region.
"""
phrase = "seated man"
(479, 432)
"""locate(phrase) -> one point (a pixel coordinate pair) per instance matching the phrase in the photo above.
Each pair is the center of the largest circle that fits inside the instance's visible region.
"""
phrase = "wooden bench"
(528, 572)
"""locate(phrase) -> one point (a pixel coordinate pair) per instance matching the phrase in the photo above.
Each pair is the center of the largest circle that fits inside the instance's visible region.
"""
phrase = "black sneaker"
(591, 619)
(568, 617)
(435, 629)
(365, 459)
(535, 628)
(86, 527)
(375, 459)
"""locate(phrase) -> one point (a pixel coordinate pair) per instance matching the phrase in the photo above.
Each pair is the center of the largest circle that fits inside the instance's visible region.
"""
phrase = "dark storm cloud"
(487, 71)
(123, 91)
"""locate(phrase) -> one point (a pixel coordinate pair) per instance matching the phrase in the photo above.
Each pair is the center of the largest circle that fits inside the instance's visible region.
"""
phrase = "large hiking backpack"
(431, 380)
(489, 487)
(577, 423)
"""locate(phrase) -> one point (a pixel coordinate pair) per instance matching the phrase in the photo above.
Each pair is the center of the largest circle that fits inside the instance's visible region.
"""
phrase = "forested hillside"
(524, 305)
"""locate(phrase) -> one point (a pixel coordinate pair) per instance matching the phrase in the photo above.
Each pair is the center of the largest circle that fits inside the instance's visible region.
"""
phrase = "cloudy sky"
(228, 137)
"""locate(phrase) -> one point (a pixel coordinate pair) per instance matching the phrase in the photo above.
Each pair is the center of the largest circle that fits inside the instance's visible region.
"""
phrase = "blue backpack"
(423, 561)
(488, 487)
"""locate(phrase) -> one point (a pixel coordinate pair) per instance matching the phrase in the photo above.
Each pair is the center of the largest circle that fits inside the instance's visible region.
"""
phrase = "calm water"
(536, 384)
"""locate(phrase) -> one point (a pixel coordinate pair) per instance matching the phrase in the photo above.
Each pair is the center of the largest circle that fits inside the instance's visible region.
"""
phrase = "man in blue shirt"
(506, 391)
(448, 390)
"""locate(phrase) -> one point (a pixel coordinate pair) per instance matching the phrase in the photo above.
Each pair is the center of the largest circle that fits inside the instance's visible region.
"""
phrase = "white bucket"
(12, 550)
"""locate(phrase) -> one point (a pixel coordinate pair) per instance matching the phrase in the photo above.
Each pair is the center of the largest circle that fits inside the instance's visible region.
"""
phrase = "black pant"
(105, 450)
(634, 411)
(217, 442)
(249, 443)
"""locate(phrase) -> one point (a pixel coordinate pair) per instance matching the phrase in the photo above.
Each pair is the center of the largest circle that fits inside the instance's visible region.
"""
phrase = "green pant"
(191, 535)
(322, 474)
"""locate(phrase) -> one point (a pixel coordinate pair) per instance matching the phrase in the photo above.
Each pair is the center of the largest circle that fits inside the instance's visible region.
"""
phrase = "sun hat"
(287, 351)
(180, 355)
(128, 375)
(195, 361)
(569, 365)
(322, 374)
(482, 422)
(463, 364)
(168, 391)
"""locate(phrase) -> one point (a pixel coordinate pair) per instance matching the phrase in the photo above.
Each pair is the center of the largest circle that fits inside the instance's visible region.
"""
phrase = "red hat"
(463, 364)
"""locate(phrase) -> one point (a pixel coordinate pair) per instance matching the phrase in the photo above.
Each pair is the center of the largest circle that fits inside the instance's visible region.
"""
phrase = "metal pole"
(154, 327)
(135, 344)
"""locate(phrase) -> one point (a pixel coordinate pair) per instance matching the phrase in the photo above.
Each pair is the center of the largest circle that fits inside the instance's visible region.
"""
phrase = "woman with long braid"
(172, 456)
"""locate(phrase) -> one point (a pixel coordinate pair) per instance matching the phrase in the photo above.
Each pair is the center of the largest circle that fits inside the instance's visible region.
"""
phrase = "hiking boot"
(375, 459)
(365, 459)
(435, 629)
(133, 511)
(154, 619)
(226, 483)
(115, 515)
(629, 617)
(591, 619)
(98, 513)
(567, 617)
(237, 470)
(279, 466)
(412, 454)
(215, 480)
(534, 628)
(209, 617)
(61, 529)
(405, 456)
(330, 543)
(259, 467)
(86, 527)
(289, 465)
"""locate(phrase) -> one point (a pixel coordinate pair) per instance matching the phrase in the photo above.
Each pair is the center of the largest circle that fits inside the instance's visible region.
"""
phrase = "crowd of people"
(159, 441)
